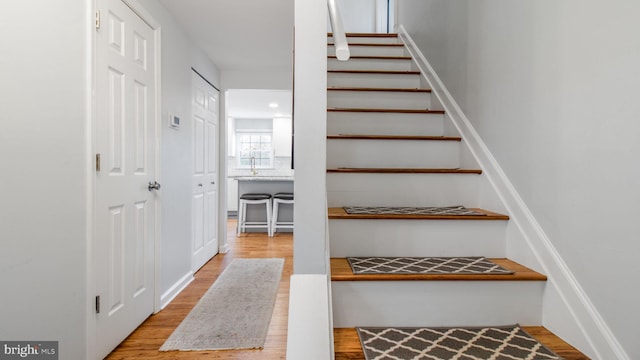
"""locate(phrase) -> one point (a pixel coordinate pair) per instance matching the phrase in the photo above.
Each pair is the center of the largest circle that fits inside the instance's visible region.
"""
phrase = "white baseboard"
(175, 289)
(567, 310)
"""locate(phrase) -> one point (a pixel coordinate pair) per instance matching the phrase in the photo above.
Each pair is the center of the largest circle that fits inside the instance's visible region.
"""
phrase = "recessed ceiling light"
(273, 105)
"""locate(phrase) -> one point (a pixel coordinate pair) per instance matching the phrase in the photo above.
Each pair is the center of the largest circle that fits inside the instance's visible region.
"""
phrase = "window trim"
(271, 158)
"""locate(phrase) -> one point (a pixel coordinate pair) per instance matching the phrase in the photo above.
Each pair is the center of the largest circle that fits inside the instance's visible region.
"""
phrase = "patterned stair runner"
(503, 342)
(425, 265)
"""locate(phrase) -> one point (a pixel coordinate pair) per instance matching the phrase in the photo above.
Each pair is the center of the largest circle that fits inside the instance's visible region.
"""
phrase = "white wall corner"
(224, 248)
(175, 289)
(567, 310)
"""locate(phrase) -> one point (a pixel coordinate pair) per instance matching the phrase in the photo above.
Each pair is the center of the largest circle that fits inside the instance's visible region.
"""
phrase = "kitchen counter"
(266, 185)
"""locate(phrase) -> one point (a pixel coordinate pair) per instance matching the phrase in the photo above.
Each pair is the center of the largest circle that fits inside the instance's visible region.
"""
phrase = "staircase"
(389, 144)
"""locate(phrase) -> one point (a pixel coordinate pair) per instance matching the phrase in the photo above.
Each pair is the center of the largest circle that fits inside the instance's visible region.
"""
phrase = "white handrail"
(339, 36)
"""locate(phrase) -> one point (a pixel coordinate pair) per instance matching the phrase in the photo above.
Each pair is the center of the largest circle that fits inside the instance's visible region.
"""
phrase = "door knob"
(154, 186)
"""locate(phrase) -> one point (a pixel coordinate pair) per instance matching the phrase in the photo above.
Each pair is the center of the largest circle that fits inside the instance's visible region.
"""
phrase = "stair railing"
(339, 36)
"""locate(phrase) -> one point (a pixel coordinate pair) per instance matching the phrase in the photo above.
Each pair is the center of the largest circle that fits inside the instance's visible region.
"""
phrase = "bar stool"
(280, 198)
(254, 199)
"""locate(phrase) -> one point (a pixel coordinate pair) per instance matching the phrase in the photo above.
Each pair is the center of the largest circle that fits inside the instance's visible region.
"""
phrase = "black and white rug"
(425, 265)
(408, 210)
(447, 343)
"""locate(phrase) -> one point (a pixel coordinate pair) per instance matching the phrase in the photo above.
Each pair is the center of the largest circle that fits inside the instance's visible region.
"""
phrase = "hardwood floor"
(147, 339)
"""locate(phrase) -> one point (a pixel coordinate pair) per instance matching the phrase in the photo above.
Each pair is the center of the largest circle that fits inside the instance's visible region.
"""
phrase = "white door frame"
(137, 8)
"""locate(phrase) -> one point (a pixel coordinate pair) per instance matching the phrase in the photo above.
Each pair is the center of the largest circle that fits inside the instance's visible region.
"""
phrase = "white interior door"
(205, 172)
(125, 206)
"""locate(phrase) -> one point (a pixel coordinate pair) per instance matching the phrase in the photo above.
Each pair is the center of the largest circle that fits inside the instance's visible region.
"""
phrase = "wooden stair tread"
(409, 90)
(340, 213)
(399, 111)
(394, 137)
(374, 57)
(374, 35)
(383, 72)
(347, 345)
(341, 271)
(404, 171)
(371, 44)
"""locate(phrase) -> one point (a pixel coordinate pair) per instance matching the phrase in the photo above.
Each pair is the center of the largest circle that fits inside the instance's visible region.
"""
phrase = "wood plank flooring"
(147, 339)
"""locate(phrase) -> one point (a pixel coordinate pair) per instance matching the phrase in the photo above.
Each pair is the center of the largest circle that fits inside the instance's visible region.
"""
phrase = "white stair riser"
(417, 238)
(378, 100)
(436, 303)
(370, 64)
(408, 81)
(355, 50)
(393, 154)
(364, 189)
(385, 124)
(368, 40)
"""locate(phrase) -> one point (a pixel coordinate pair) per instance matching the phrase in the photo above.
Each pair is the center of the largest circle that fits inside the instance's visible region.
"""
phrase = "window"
(254, 147)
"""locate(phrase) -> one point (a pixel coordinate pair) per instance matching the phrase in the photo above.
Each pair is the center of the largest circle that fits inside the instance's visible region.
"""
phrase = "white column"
(310, 116)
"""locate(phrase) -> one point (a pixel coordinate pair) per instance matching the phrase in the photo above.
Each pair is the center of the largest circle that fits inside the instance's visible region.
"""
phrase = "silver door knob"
(154, 186)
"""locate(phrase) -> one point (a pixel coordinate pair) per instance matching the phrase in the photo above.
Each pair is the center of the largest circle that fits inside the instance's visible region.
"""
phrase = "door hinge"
(98, 304)
(98, 19)
(97, 162)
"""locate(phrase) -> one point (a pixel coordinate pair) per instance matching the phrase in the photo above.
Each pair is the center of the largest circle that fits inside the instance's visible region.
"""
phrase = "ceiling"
(254, 104)
(241, 35)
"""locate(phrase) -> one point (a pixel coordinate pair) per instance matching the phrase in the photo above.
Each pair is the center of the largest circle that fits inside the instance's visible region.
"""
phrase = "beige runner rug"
(235, 312)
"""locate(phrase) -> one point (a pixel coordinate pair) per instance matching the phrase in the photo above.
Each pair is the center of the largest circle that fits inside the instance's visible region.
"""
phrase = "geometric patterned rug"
(425, 265)
(463, 343)
(408, 210)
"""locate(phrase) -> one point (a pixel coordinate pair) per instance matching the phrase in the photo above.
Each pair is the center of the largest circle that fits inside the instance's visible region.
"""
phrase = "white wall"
(310, 135)
(236, 79)
(179, 55)
(363, 16)
(357, 15)
(550, 86)
(43, 181)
